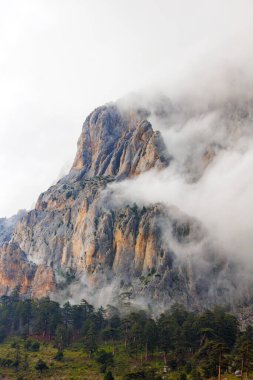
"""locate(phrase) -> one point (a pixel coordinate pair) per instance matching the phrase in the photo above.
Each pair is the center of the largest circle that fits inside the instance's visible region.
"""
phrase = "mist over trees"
(199, 345)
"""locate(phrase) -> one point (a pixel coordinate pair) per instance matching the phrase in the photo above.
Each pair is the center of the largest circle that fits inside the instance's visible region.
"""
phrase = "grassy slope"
(76, 364)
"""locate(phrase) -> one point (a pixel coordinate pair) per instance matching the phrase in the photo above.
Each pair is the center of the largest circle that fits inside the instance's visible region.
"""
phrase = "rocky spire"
(119, 144)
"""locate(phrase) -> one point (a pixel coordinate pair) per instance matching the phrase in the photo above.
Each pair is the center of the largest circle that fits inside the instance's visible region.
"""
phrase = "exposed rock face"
(117, 144)
(17, 271)
(77, 239)
(8, 225)
(70, 228)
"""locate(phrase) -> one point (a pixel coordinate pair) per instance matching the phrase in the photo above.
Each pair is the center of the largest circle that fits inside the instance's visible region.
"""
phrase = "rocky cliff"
(8, 225)
(78, 242)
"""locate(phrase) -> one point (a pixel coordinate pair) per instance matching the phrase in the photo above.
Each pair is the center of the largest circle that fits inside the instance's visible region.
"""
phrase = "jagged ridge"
(75, 231)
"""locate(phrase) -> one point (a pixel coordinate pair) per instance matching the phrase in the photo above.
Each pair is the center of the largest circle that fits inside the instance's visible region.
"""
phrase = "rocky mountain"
(7, 226)
(79, 242)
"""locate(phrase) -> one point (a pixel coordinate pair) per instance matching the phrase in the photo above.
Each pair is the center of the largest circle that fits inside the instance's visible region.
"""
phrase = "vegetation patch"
(41, 339)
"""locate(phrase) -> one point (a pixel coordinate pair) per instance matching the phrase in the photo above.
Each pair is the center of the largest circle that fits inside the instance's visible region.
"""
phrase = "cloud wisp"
(210, 176)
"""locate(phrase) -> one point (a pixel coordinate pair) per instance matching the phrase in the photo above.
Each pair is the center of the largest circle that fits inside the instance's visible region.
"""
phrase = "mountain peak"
(118, 143)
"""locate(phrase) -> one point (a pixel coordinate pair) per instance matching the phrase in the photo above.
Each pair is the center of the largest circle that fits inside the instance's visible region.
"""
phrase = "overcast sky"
(59, 59)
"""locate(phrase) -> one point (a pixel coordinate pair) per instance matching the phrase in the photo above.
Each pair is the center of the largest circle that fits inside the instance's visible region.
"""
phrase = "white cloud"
(61, 58)
(219, 194)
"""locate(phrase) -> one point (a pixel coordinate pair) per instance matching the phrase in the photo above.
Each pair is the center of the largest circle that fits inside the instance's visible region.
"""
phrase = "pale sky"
(59, 59)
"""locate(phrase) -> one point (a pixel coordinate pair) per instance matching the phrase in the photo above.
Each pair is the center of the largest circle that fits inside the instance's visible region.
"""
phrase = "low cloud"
(210, 176)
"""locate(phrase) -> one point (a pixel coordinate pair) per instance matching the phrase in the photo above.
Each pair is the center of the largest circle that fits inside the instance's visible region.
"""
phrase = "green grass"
(76, 364)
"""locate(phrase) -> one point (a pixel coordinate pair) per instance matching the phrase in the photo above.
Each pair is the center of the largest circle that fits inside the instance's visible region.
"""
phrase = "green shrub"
(195, 375)
(182, 376)
(34, 347)
(59, 356)
(41, 366)
(14, 344)
(108, 376)
(105, 359)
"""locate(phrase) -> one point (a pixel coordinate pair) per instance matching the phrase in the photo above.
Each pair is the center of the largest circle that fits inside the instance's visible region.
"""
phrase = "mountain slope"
(79, 242)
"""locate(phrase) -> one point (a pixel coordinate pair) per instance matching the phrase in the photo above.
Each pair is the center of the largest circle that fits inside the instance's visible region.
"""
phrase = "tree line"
(201, 344)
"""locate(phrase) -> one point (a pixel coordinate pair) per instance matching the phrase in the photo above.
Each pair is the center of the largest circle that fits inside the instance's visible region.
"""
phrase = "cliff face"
(118, 144)
(16, 270)
(8, 225)
(71, 226)
(77, 240)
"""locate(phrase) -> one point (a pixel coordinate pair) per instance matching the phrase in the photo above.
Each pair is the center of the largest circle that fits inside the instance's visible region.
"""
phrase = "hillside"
(82, 241)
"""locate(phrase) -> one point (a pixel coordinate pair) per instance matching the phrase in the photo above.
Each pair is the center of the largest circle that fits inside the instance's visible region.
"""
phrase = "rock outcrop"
(8, 225)
(118, 144)
(77, 241)
(17, 271)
